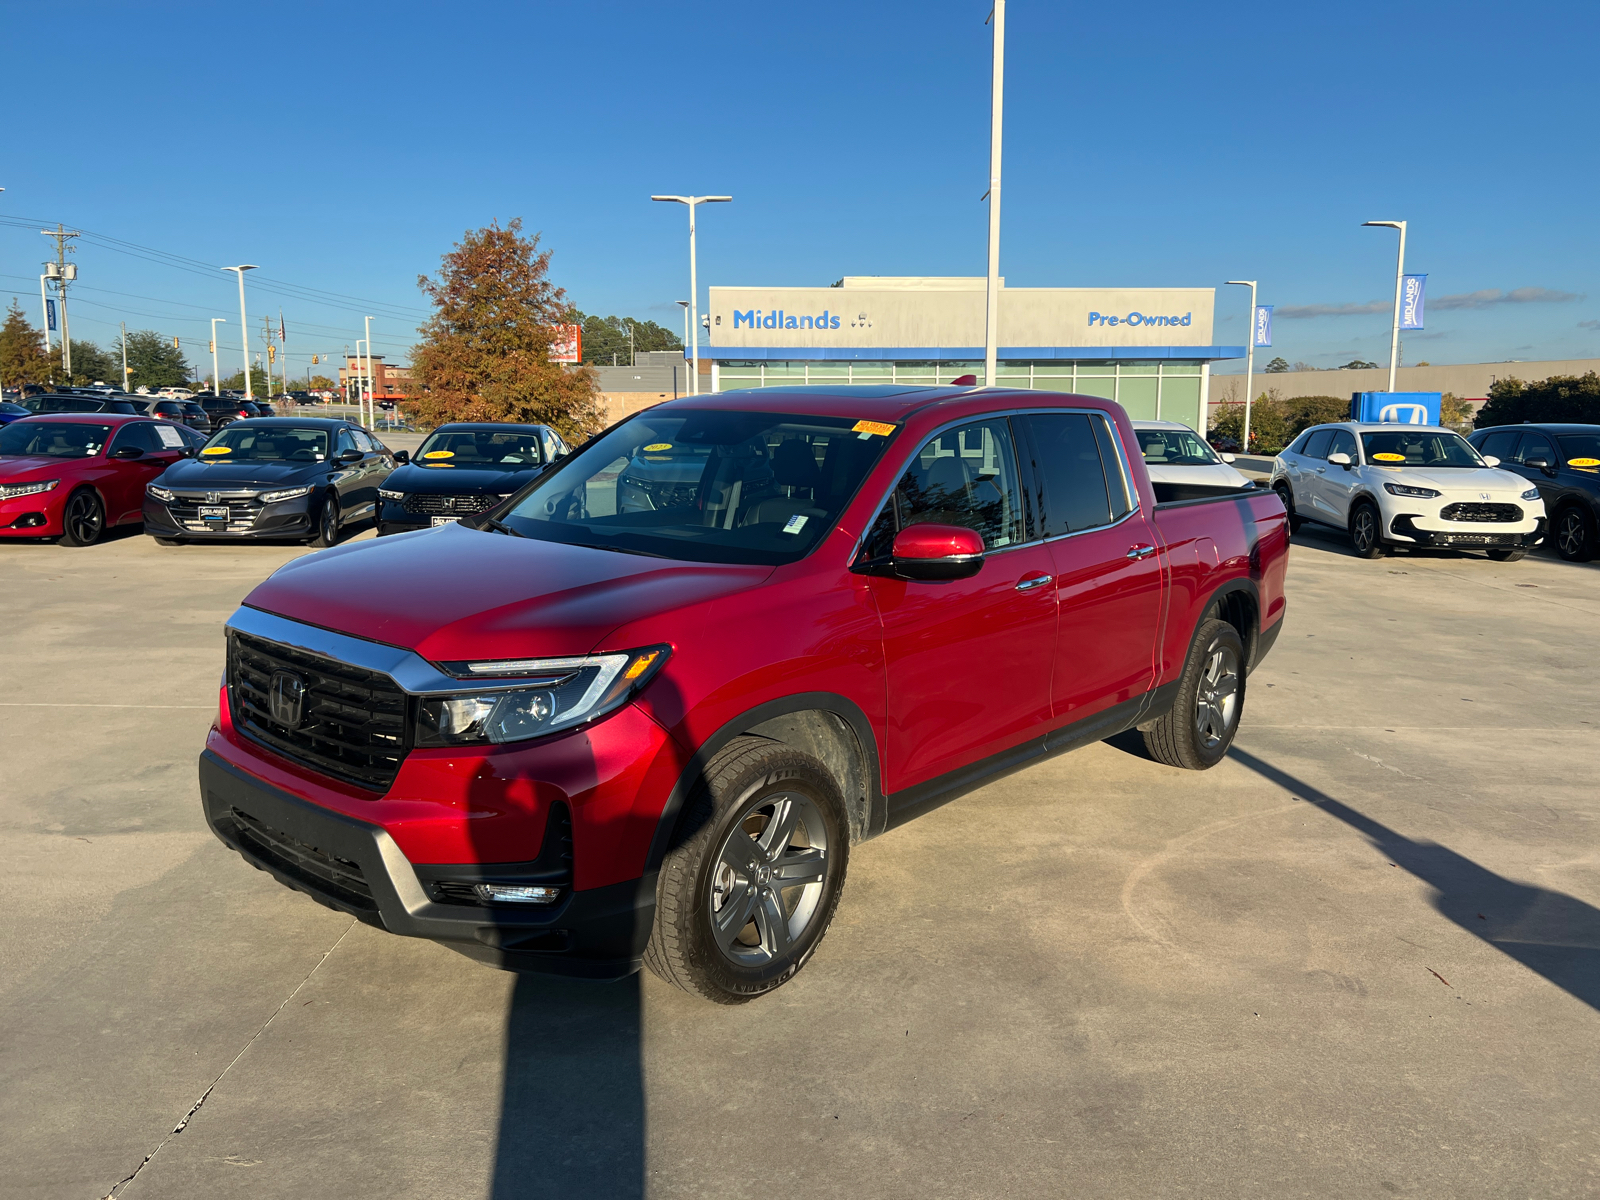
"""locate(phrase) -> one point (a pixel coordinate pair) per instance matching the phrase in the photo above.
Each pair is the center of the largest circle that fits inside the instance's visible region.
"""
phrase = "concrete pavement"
(1362, 956)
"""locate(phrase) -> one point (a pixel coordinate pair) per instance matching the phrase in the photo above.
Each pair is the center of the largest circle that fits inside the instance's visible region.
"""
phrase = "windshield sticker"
(794, 524)
(868, 428)
(169, 436)
(217, 450)
(1388, 458)
(440, 454)
(1583, 462)
(658, 446)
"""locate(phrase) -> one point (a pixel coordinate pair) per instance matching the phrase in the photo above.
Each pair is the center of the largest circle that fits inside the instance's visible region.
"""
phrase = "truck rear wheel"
(1197, 730)
(742, 904)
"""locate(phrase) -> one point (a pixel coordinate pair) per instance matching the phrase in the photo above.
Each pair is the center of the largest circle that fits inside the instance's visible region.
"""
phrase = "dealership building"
(1149, 349)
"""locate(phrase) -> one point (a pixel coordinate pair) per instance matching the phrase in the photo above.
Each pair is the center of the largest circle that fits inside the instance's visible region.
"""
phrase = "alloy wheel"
(1216, 700)
(83, 518)
(768, 879)
(1570, 533)
(1365, 531)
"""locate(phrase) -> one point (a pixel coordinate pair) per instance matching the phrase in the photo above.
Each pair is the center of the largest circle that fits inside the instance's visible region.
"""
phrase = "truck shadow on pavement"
(572, 1108)
(1553, 934)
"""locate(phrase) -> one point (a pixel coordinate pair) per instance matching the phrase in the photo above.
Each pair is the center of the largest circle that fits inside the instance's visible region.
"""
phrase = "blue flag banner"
(1413, 290)
(1263, 330)
(50, 315)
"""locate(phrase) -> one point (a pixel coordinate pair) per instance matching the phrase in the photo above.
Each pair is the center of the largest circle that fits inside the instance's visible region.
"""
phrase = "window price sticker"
(169, 436)
(868, 428)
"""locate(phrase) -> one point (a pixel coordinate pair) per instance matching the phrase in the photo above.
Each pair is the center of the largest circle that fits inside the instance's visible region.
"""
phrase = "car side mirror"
(127, 452)
(402, 456)
(930, 553)
(349, 456)
(1490, 460)
(1339, 459)
(186, 452)
(1542, 463)
(1228, 458)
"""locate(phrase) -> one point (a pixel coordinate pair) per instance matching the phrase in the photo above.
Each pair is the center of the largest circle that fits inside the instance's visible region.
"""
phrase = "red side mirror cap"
(935, 553)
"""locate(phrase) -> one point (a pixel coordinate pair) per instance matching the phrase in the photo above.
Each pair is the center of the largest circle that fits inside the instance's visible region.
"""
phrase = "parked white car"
(1407, 485)
(1174, 453)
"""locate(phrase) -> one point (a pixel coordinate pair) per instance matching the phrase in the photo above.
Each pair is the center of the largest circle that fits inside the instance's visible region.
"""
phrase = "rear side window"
(1499, 443)
(1317, 446)
(1069, 475)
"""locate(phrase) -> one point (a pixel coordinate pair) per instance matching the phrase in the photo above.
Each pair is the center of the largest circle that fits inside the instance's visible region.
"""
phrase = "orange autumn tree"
(485, 352)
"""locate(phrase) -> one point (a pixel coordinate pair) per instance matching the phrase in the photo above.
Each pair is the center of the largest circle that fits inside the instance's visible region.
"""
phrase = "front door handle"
(1029, 582)
(1137, 552)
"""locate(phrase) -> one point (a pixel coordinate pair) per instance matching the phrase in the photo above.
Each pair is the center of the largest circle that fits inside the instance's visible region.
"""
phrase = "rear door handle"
(1029, 582)
(1141, 551)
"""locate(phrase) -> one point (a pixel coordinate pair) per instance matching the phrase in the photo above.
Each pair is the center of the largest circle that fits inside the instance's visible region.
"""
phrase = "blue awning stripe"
(961, 353)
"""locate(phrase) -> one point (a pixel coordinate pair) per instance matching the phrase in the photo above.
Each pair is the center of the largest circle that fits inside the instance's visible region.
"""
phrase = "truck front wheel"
(1197, 730)
(743, 901)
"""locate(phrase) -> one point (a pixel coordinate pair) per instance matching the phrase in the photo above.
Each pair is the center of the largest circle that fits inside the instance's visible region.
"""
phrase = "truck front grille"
(352, 722)
(1501, 513)
(425, 502)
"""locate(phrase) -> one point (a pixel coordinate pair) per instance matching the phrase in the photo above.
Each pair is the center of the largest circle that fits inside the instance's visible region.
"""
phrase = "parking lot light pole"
(1399, 273)
(216, 379)
(372, 398)
(683, 304)
(1249, 361)
(244, 329)
(991, 323)
(694, 283)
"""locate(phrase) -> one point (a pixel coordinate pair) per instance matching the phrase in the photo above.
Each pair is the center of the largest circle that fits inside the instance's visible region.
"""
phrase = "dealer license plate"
(438, 521)
(214, 514)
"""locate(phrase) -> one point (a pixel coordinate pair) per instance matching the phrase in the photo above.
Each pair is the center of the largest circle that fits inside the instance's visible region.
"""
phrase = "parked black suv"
(223, 410)
(1563, 462)
(81, 401)
(182, 412)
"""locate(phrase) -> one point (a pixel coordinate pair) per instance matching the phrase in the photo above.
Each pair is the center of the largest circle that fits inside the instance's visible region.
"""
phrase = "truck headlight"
(390, 494)
(161, 493)
(1400, 489)
(558, 694)
(26, 489)
(284, 494)
(1531, 494)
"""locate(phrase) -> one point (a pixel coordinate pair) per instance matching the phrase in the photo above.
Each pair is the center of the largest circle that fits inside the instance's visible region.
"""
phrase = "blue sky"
(1149, 144)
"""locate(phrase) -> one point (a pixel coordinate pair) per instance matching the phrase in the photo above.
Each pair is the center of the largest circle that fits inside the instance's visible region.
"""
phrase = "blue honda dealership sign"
(1396, 408)
(50, 314)
(1263, 330)
(1413, 290)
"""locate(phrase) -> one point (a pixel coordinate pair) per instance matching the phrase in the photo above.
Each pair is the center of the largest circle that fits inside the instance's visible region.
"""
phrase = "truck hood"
(1458, 483)
(455, 593)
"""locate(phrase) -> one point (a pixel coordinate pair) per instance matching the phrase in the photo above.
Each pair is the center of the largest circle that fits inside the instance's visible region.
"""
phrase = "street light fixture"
(694, 285)
(244, 327)
(1399, 272)
(1249, 359)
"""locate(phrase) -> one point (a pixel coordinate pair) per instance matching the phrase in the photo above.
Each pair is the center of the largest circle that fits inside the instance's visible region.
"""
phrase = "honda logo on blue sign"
(1263, 335)
(1413, 289)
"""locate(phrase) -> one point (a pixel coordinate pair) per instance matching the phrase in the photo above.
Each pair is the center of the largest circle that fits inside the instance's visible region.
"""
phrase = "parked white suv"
(1407, 485)
(1174, 453)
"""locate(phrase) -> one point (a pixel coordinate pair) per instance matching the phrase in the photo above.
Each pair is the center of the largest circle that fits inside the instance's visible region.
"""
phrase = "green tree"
(1574, 398)
(23, 358)
(1269, 424)
(153, 361)
(1276, 367)
(1302, 412)
(1455, 414)
(258, 382)
(605, 339)
(90, 364)
(485, 352)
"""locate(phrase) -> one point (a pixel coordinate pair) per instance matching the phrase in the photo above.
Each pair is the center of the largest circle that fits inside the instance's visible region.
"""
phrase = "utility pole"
(266, 336)
(124, 325)
(64, 273)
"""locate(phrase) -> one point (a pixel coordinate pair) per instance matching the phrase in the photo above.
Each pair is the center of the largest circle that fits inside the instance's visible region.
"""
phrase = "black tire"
(1574, 535)
(1366, 530)
(1197, 730)
(1508, 555)
(83, 521)
(328, 527)
(1287, 497)
(748, 785)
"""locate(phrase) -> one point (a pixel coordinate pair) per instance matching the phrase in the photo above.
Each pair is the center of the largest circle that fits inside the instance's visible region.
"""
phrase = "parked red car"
(72, 475)
(645, 708)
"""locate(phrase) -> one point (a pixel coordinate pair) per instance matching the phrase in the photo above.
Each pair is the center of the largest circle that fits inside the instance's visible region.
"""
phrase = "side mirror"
(349, 456)
(1228, 458)
(127, 452)
(1339, 459)
(1542, 463)
(1490, 460)
(402, 456)
(186, 452)
(937, 553)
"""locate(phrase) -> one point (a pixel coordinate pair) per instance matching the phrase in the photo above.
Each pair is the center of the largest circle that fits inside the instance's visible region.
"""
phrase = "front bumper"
(285, 519)
(357, 867)
(1475, 535)
(35, 516)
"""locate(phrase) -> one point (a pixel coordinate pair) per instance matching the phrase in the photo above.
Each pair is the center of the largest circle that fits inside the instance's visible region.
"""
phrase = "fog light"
(508, 893)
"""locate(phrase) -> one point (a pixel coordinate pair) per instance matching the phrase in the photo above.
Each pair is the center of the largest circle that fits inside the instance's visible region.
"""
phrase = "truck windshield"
(703, 486)
(1418, 448)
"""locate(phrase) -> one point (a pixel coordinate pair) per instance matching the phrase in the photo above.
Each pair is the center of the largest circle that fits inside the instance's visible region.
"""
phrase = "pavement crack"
(121, 1185)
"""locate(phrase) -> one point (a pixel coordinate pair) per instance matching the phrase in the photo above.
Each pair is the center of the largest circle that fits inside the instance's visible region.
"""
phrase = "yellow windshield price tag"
(877, 427)
(440, 454)
(217, 450)
(1388, 458)
(658, 446)
(1583, 462)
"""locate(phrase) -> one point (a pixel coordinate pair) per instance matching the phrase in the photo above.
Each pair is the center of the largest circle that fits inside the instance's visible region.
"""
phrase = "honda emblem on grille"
(213, 497)
(1483, 495)
(285, 698)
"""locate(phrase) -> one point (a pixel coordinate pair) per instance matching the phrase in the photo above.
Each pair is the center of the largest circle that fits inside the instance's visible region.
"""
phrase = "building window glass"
(1180, 400)
(1137, 394)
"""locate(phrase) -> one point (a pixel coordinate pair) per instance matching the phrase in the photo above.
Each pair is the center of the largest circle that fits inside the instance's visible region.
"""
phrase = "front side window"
(1414, 447)
(53, 439)
(705, 486)
(263, 443)
(1175, 448)
(965, 476)
(1344, 442)
(1501, 444)
(479, 449)
(1536, 445)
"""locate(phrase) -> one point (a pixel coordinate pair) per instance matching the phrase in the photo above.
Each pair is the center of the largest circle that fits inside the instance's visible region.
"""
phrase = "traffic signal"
(175, 342)
(211, 347)
(272, 354)
(314, 360)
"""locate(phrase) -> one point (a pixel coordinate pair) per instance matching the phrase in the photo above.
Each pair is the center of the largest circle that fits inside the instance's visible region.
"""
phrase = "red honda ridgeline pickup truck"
(643, 709)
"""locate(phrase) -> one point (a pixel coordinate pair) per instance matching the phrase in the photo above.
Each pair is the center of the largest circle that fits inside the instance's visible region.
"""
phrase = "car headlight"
(26, 489)
(1400, 489)
(285, 494)
(1531, 494)
(559, 693)
(390, 494)
(161, 493)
